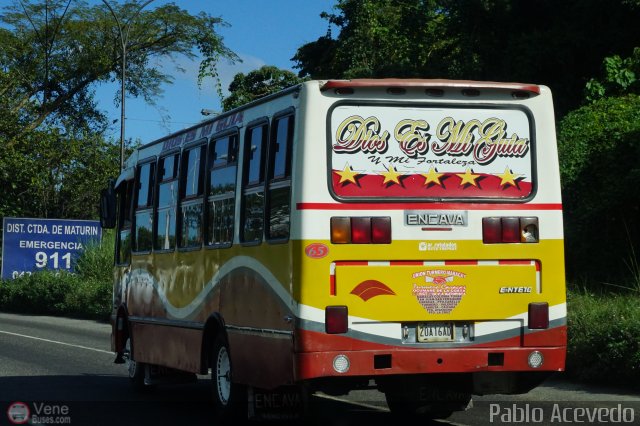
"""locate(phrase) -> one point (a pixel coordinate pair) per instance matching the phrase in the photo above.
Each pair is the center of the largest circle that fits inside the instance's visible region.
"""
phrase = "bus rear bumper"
(412, 361)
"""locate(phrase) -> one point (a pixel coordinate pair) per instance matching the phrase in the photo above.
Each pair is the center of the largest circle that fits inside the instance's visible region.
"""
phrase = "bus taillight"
(336, 319)
(381, 230)
(361, 230)
(538, 316)
(496, 230)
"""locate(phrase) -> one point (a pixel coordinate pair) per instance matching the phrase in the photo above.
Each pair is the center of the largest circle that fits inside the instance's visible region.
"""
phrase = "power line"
(161, 121)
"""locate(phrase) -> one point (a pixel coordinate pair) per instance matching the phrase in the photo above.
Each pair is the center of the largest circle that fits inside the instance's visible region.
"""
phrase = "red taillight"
(491, 230)
(510, 230)
(381, 230)
(497, 230)
(336, 319)
(361, 230)
(538, 316)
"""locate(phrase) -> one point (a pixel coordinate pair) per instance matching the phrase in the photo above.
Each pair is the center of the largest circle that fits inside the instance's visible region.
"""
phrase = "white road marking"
(56, 342)
(360, 404)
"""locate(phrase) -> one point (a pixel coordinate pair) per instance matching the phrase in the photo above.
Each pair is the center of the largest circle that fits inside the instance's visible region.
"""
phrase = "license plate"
(435, 332)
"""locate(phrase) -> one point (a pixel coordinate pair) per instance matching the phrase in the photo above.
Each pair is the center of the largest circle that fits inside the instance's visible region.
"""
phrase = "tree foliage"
(621, 76)
(377, 38)
(257, 84)
(599, 147)
(52, 54)
(560, 44)
(52, 175)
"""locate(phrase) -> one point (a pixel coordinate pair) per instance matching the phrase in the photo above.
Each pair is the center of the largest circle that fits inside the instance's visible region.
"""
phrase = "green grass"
(604, 337)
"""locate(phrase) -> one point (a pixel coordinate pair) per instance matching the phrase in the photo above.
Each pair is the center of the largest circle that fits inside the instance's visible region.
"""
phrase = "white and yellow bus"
(344, 234)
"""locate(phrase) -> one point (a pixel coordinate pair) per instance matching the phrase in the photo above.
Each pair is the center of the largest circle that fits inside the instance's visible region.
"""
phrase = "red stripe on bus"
(514, 262)
(317, 341)
(422, 206)
(352, 263)
(332, 285)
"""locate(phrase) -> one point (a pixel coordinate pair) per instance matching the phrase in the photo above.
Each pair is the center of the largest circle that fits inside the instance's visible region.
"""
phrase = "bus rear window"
(420, 152)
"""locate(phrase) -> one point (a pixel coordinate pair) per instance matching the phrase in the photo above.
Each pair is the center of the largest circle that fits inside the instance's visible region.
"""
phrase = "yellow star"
(468, 177)
(347, 174)
(507, 178)
(391, 175)
(432, 177)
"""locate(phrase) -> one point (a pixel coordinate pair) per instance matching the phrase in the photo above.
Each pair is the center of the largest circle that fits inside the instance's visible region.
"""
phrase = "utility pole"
(123, 29)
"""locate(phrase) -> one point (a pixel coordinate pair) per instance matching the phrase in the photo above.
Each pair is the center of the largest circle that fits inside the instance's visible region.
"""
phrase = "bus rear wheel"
(227, 395)
(134, 369)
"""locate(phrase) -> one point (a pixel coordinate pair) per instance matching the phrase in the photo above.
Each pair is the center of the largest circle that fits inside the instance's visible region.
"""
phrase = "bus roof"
(429, 84)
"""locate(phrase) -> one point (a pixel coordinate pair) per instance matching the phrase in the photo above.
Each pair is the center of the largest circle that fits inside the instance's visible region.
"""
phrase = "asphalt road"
(63, 371)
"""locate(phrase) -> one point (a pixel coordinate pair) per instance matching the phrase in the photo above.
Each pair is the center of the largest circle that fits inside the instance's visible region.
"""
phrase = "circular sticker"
(316, 250)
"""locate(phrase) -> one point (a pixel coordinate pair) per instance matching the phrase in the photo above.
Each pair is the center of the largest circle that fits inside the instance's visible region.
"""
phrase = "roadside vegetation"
(603, 337)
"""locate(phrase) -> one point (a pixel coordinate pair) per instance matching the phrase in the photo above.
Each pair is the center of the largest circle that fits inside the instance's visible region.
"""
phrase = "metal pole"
(124, 40)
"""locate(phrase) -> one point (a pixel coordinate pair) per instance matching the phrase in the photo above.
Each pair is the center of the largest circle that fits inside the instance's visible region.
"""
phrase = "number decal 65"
(316, 250)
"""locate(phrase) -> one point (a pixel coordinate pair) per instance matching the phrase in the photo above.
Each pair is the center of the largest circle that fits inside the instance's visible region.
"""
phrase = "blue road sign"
(30, 245)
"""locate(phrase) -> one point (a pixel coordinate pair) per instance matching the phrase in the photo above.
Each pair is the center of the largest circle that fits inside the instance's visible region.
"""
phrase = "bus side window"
(144, 207)
(125, 194)
(191, 196)
(165, 223)
(222, 166)
(252, 226)
(279, 183)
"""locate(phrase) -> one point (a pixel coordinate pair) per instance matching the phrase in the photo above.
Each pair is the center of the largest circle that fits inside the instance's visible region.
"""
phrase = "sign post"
(30, 245)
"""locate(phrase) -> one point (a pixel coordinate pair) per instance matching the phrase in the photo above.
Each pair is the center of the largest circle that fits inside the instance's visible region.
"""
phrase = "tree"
(621, 76)
(377, 38)
(257, 84)
(53, 175)
(599, 145)
(559, 44)
(53, 52)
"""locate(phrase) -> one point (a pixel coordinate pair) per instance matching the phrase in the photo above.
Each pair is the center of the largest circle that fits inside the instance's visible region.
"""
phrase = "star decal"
(468, 177)
(432, 177)
(391, 175)
(347, 174)
(508, 178)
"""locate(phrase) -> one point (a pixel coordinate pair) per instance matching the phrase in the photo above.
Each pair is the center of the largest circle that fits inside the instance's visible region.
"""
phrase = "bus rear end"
(429, 222)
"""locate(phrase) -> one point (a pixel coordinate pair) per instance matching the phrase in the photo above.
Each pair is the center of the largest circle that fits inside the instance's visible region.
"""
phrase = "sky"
(261, 32)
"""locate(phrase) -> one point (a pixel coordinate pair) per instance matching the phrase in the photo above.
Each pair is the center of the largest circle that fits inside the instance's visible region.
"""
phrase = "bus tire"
(228, 396)
(135, 369)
